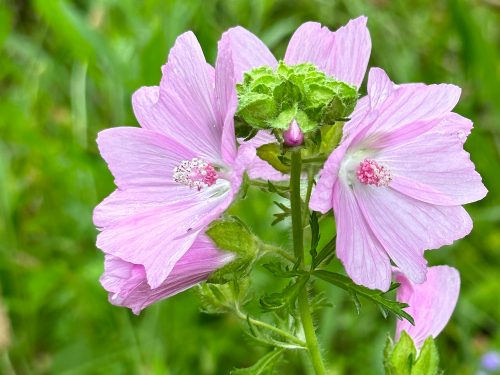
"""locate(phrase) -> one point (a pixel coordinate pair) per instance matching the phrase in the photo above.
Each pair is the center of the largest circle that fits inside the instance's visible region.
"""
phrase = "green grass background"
(67, 71)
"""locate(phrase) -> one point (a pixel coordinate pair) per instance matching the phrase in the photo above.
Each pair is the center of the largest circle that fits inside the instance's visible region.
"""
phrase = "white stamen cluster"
(195, 173)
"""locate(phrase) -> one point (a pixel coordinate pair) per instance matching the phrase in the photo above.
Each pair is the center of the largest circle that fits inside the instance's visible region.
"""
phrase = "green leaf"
(326, 254)
(233, 235)
(428, 360)
(265, 365)
(271, 153)
(278, 270)
(282, 191)
(313, 222)
(372, 294)
(287, 297)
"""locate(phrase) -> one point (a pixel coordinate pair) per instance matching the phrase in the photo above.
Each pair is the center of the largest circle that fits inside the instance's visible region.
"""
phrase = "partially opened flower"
(327, 67)
(398, 179)
(430, 303)
(128, 285)
(175, 175)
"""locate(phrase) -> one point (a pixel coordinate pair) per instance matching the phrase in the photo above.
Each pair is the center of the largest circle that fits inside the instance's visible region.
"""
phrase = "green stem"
(296, 205)
(298, 248)
(311, 339)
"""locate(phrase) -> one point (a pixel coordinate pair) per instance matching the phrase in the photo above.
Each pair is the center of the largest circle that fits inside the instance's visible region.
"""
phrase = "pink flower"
(175, 175)
(128, 285)
(343, 54)
(398, 179)
(431, 303)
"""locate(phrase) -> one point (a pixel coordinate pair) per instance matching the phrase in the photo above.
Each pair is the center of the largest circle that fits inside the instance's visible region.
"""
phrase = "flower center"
(370, 172)
(195, 173)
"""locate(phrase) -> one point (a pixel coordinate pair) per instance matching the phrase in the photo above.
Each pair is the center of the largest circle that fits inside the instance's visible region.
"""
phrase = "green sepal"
(232, 235)
(272, 153)
(330, 137)
(402, 358)
(428, 360)
(223, 298)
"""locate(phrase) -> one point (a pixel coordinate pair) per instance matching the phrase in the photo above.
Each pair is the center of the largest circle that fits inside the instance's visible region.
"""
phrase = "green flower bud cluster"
(271, 98)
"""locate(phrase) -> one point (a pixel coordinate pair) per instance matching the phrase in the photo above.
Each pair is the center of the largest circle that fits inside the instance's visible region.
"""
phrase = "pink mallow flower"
(175, 174)
(430, 303)
(342, 54)
(398, 179)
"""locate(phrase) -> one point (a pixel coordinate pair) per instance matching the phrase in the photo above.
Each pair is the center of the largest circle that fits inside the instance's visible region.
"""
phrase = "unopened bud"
(293, 136)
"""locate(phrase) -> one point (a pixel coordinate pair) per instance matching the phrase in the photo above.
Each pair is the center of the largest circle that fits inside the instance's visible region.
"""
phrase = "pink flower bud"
(293, 136)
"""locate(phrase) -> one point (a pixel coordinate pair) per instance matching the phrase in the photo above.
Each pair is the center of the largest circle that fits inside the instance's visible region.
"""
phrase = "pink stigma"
(195, 173)
(371, 173)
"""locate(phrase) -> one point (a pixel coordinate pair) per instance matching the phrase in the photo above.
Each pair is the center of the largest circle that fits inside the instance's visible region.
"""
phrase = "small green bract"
(271, 99)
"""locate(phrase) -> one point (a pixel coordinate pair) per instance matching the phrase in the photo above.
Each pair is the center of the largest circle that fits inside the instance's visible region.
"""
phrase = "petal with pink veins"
(407, 227)
(156, 241)
(343, 54)
(226, 97)
(246, 51)
(351, 52)
(311, 43)
(140, 158)
(406, 104)
(128, 286)
(431, 304)
(434, 167)
(185, 107)
(363, 256)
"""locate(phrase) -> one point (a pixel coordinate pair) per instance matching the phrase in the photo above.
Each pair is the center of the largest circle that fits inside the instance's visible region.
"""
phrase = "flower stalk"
(298, 248)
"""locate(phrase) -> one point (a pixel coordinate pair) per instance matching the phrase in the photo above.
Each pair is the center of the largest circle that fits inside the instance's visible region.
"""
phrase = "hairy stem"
(296, 205)
(298, 248)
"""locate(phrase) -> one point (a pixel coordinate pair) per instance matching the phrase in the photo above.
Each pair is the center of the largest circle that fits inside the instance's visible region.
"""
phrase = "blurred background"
(67, 71)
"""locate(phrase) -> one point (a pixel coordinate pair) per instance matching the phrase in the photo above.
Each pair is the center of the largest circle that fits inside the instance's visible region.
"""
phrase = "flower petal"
(395, 109)
(185, 107)
(436, 162)
(351, 52)
(407, 227)
(127, 283)
(431, 303)
(226, 97)
(247, 51)
(152, 238)
(311, 43)
(343, 54)
(359, 250)
(322, 195)
(139, 158)
(121, 205)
